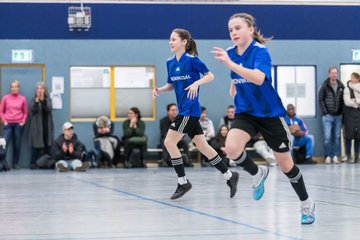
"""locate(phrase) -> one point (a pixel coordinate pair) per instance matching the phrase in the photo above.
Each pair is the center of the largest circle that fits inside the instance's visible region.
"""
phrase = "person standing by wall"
(14, 111)
(41, 124)
(352, 116)
(331, 103)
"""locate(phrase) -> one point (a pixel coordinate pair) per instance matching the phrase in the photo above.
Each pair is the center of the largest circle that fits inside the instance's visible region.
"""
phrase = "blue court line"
(190, 210)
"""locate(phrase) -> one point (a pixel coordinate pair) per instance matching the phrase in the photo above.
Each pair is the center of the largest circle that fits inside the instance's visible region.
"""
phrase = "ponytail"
(190, 47)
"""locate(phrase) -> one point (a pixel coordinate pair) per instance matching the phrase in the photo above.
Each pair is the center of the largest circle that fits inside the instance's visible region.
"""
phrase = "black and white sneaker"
(181, 190)
(232, 183)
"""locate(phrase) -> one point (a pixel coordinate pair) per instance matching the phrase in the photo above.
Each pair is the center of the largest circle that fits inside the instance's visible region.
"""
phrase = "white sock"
(257, 177)
(227, 175)
(182, 180)
(307, 203)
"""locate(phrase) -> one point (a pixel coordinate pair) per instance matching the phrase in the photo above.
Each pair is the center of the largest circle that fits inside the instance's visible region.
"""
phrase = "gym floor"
(135, 204)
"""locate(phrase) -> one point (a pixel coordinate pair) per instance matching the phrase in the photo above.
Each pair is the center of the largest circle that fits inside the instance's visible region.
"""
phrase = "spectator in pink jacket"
(13, 112)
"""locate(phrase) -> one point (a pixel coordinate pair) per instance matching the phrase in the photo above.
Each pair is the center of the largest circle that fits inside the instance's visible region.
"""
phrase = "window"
(297, 85)
(111, 91)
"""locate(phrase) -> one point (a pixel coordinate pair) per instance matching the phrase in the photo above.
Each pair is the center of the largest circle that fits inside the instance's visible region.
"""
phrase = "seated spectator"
(107, 145)
(209, 132)
(134, 138)
(229, 118)
(300, 134)
(3, 163)
(69, 152)
(218, 143)
(165, 122)
(264, 150)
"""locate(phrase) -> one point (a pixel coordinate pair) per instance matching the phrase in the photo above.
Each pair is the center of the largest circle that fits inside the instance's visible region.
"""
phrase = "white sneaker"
(328, 160)
(335, 160)
(344, 158)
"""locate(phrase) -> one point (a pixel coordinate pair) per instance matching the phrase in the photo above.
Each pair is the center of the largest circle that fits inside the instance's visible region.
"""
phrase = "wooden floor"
(134, 204)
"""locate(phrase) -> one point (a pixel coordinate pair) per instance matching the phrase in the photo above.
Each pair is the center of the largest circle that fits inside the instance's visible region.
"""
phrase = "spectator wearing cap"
(41, 124)
(107, 145)
(69, 152)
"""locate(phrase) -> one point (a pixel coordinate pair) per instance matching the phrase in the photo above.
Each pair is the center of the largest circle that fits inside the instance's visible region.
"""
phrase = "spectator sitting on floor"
(300, 134)
(69, 152)
(3, 163)
(107, 145)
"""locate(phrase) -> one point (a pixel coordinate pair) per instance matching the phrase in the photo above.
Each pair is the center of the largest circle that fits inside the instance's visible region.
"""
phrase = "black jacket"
(330, 102)
(78, 153)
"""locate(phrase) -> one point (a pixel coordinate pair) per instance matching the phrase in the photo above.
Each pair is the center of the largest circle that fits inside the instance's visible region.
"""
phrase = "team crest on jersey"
(173, 124)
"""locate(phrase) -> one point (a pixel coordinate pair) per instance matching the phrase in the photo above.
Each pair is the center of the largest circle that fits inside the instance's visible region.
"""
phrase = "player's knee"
(169, 144)
(233, 150)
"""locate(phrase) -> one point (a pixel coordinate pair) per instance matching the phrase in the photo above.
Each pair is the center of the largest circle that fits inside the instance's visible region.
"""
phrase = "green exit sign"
(356, 55)
(22, 56)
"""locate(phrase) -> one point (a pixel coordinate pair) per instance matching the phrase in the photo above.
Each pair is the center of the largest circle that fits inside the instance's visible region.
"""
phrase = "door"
(28, 75)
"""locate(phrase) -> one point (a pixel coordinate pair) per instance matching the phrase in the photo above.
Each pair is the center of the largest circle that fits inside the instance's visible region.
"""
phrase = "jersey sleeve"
(199, 66)
(263, 62)
(168, 73)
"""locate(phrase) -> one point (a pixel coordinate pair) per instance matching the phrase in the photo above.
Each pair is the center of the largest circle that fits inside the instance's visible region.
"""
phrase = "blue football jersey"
(182, 74)
(255, 100)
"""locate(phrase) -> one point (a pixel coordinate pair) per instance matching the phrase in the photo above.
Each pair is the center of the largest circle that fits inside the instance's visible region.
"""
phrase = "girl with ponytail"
(184, 76)
(258, 109)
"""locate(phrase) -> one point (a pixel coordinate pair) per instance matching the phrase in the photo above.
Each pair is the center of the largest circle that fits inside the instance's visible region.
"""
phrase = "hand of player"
(192, 90)
(221, 55)
(155, 92)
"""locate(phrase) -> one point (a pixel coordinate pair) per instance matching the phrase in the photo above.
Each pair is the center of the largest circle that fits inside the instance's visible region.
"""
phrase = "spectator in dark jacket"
(331, 103)
(352, 116)
(69, 152)
(229, 118)
(165, 122)
(41, 124)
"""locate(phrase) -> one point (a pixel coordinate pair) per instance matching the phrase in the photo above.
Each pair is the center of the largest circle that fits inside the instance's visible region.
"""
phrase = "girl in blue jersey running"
(184, 70)
(258, 109)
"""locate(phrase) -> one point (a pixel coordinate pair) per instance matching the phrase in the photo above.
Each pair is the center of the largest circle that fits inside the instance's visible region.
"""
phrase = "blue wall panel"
(139, 21)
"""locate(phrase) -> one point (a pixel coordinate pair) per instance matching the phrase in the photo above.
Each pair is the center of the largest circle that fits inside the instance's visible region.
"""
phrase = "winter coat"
(37, 126)
(352, 111)
(331, 102)
(78, 153)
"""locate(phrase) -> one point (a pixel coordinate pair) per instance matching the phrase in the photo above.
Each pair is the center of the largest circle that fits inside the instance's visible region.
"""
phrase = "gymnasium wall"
(124, 34)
